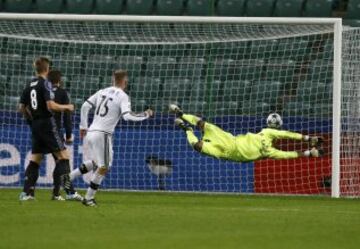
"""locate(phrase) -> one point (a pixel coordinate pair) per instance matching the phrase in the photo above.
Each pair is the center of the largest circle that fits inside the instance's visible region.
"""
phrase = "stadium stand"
(139, 7)
(288, 8)
(169, 7)
(318, 8)
(109, 6)
(18, 6)
(49, 6)
(230, 7)
(260, 7)
(79, 6)
(200, 7)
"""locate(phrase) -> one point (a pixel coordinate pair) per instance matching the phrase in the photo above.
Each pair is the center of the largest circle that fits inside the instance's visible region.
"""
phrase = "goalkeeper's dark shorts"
(45, 136)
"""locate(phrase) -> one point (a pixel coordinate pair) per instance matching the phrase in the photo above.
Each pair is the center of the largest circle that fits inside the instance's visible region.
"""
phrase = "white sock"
(96, 180)
(74, 174)
(307, 153)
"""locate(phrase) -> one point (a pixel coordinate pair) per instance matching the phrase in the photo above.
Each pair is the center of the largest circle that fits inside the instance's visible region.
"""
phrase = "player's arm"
(281, 134)
(67, 120)
(88, 105)
(23, 108)
(128, 115)
(50, 103)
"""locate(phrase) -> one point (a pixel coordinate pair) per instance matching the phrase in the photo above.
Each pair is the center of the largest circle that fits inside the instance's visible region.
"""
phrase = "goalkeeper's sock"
(191, 119)
(95, 182)
(31, 176)
(83, 169)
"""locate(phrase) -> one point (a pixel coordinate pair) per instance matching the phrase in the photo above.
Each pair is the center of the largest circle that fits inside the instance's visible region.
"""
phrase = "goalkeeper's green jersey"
(248, 147)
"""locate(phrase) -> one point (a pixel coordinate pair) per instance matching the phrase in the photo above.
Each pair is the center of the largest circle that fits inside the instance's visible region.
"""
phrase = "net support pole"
(336, 132)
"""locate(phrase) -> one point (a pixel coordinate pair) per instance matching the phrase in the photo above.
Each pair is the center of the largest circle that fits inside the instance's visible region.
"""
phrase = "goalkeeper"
(243, 148)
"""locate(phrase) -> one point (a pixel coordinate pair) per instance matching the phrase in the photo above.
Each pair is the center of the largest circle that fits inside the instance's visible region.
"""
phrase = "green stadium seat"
(293, 48)
(200, 7)
(68, 64)
(266, 91)
(133, 64)
(322, 110)
(257, 108)
(195, 107)
(49, 6)
(191, 67)
(145, 88)
(17, 84)
(177, 89)
(288, 8)
(223, 108)
(353, 9)
(318, 8)
(170, 7)
(228, 69)
(81, 87)
(312, 92)
(263, 49)
(230, 50)
(139, 7)
(161, 66)
(9, 103)
(259, 7)
(320, 71)
(238, 90)
(11, 64)
(79, 6)
(352, 22)
(109, 6)
(4, 84)
(230, 8)
(202, 90)
(294, 108)
(18, 5)
(281, 70)
(100, 65)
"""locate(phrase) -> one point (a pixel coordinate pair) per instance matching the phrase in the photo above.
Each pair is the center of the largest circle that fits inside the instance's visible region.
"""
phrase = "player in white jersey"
(109, 105)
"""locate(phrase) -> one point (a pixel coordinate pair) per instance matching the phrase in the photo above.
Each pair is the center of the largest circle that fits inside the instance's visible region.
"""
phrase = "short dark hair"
(54, 76)
(120, 75)
(41, 64)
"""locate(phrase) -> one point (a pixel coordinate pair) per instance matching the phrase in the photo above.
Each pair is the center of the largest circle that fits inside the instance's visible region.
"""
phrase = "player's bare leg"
(95, 183)
(31, 176)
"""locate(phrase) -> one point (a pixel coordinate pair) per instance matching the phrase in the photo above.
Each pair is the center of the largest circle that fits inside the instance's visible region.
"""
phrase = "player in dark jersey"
(62, 119)
(37, 103)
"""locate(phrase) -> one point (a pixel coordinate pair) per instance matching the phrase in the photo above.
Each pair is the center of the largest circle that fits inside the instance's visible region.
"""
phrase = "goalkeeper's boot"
(315, 141)
(314, 152)
(89, 203)
(176, 110)
(57, 198)
(179, 122)
(74, 197)
(25, 197)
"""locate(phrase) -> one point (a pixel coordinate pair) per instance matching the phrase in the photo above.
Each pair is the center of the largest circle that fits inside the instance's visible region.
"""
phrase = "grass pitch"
(148, 220)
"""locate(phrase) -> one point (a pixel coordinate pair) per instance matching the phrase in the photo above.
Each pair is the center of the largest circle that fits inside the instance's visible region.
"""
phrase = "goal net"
(232, 74)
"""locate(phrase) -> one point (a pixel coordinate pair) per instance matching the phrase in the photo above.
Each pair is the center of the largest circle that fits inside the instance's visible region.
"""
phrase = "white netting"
(232, 74)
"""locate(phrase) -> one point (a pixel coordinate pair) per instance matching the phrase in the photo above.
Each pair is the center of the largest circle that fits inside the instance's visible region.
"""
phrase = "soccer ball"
(274, 121)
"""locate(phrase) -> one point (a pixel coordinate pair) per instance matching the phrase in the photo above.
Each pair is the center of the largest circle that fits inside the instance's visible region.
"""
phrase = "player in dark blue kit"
(37, 103)
(63, 120)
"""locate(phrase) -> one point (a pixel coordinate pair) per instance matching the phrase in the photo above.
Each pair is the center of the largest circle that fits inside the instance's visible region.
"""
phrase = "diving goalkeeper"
(217, 143)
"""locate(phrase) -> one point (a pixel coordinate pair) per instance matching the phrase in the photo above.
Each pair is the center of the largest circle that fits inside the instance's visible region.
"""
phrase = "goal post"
(232, 70)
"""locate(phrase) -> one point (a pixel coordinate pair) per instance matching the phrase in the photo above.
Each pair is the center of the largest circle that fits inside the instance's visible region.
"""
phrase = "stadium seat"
(288, 8)
(4, 84)
(282, 70)
(18, 5)
(109, 6)
(68, 64)
(200, 7)
(263, 49)
(81, 87)
(266, 91)
(133, 64)
(145, 88)
(170, 7)
(353, 9)
(79, 6)
(100, 65)
(176, 89)
(9, 103)
(224, 108)
(320, 71)
(202, 90)
(318, 8)
(17, 84)
(313, 92)
(139, 7)
(294, 108)
(230, 7)
(257, 108)
(191, 67)
(322, 110)
(228, 69)
(259, 7)
(352, 22)
(196, 107)
(11, 64)
(161, 66)
(293, 48)
(49, 6)
(238, 90)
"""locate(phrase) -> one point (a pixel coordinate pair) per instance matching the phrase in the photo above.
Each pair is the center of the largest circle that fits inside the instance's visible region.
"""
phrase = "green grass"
(149, 220)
